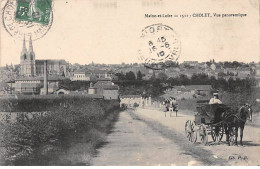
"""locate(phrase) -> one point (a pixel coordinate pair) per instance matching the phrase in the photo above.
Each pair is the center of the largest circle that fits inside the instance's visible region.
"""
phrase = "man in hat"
(215, 99)
(173, 101)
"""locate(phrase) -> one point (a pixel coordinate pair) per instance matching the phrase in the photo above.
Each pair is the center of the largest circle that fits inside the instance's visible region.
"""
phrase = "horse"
(236, 121)
(170, 106)
(173, 107)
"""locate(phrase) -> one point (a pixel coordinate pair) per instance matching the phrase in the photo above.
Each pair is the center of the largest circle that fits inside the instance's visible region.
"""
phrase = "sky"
(86, 30)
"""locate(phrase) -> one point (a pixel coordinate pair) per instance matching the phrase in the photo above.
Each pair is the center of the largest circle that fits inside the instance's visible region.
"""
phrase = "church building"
(31, 67)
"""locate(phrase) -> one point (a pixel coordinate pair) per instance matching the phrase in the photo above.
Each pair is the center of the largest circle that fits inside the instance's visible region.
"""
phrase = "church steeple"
(24, 51)
(30, 52)
(27, 60)
(30, 45)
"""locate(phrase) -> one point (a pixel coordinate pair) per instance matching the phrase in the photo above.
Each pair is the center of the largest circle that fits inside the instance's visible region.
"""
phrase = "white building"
(81, 75)
(130, 100)
(89, 75)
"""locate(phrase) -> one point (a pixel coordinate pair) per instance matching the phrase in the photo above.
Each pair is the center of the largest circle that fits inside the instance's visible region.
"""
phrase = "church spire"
(30, 52)
(30, 45)
(24, 51)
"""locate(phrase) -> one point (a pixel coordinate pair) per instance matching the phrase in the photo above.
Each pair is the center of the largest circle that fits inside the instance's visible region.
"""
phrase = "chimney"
(45, 83)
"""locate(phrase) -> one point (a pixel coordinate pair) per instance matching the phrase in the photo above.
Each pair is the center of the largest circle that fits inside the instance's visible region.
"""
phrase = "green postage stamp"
(34, 11)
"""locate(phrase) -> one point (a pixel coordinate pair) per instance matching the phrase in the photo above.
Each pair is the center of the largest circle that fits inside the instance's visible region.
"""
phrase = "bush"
(24, 138)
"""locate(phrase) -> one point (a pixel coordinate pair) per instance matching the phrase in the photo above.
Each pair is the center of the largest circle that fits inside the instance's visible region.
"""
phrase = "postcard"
(129, 83)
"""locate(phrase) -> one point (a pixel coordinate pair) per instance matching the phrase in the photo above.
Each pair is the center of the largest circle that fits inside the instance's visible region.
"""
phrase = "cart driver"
(215, 99)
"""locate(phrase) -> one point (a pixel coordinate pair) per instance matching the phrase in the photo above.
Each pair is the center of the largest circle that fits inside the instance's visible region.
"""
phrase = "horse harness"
(236, 115)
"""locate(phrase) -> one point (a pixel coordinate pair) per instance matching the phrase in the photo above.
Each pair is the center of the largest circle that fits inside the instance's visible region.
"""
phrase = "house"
(199, 89)
(191, 63)
(190, 72)
(81, 75)
(107, 89)
(93, 75)
(102, 74)
(134, 68)
(130, 100)
(33, 85)
(178, 92)
(244, 73)
(52, 87)
(28, 85)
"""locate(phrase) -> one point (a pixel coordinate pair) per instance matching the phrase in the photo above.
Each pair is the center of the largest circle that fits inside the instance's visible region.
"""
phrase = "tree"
(236, 64)
(221, 74)
(184, 80)
(154, 88)
(222, 83)
(153, 77)
(195, 79)
(17, 69)
(231, 84)
(200, 79)
(231, 74)
(227, 65)
(139, 75)
(162, 76)
(213, 82)
(208, 64)
(170, 63)
(173, 81)
(120, 76)
(130, 76)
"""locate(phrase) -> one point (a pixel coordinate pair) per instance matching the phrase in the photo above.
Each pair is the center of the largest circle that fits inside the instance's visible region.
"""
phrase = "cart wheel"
(232, 136)
(217, 133)
(191, 133)
(203, 134)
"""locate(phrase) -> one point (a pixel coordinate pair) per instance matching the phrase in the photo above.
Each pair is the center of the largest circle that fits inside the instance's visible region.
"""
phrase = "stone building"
(107, 89)
(54, 67)
(130, 100)
(34, 85)
(31, 67)
(27, 60)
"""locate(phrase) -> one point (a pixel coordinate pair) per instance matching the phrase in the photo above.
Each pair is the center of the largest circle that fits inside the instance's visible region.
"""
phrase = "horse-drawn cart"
(207, 122)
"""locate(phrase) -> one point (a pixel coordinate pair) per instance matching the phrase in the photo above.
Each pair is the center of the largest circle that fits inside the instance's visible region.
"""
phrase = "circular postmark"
(21, 29)
(159, 45)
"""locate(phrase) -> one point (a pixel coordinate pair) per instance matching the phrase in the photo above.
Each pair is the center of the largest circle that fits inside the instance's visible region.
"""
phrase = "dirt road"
(248, 154)
(147, 137)
(133, 142)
